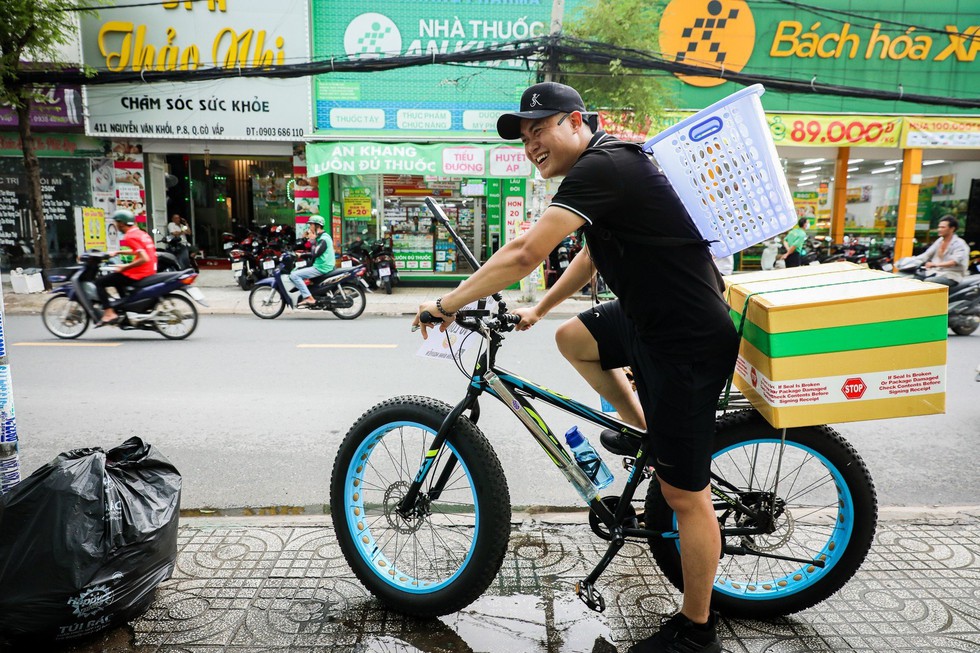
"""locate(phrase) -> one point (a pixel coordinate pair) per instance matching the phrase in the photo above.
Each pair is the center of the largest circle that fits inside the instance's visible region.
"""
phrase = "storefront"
(881, 171)
(67, 159)
(227, 155)
(386, 140)
(381, 187)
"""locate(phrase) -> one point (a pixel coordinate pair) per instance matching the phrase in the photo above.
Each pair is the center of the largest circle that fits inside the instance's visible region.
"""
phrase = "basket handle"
(705, 128)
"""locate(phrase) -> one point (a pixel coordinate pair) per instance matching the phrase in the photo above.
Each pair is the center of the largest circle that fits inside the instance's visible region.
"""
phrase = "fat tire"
(254, 298)
(49, 317)
(188, 304)
(747, 426)
(488, 485)
(360, 302)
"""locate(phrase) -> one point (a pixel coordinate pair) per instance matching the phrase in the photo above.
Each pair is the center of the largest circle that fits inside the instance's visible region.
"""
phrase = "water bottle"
(588, 459)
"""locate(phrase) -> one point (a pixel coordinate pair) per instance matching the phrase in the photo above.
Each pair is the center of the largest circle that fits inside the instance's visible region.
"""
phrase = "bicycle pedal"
(590, 596)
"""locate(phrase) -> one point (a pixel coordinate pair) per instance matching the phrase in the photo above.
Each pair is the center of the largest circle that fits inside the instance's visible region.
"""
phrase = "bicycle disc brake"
(405, 524)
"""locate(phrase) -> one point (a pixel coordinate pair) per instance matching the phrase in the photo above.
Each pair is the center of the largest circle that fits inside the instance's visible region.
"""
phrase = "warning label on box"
(846, 387)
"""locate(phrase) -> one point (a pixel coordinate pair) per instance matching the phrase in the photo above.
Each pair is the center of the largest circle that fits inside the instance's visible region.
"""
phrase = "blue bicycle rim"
(358, 519)
(805, 575)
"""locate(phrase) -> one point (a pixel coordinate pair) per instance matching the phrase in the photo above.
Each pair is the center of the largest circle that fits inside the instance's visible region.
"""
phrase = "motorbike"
(341, 291)
(964, 297)
(156, 303)
(383, 259)
(169, 251)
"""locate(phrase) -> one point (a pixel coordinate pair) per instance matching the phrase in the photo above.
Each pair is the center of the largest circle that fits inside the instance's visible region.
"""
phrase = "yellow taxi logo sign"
(718, 34)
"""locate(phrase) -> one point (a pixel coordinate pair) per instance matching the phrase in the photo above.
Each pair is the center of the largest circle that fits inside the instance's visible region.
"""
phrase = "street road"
(252, 412)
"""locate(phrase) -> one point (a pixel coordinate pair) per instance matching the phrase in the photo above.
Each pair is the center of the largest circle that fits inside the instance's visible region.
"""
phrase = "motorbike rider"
(179, 230)
(681, 345)
(324, 259)
(948, 256)
(140, 245)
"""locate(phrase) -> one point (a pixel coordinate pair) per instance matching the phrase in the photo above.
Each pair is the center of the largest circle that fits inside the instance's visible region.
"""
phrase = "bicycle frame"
(515, 392)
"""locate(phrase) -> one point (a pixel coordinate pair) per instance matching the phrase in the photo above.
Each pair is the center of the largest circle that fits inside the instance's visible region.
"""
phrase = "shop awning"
(434, 159)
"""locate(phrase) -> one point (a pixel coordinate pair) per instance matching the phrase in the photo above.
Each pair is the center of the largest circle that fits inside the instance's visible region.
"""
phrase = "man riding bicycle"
(677, 335)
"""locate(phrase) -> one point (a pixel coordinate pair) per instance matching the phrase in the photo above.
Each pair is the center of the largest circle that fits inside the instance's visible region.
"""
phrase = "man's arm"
(510, 263)
(927, 255)
(579, 272)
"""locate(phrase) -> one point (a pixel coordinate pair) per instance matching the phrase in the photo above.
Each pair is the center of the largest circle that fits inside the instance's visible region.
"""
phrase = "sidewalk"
(225, 298)
(263, 584)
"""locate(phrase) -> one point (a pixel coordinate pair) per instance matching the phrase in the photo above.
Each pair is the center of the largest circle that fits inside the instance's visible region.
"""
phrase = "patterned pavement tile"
(289, 590)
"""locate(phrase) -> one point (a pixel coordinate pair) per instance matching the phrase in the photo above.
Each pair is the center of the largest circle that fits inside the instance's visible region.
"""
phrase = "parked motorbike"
(155, 303)
(169, 252)
(964, 297)
(383, 259)
(341, 291)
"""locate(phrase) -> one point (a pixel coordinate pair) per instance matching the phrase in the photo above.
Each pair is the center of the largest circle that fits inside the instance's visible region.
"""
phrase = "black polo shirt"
(672, 293)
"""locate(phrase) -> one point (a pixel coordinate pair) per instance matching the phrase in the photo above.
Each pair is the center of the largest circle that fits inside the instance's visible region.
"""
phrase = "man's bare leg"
(700, 542)
(577, 345)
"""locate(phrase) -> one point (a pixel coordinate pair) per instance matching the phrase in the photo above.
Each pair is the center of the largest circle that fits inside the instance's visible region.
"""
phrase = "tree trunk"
(33, 170)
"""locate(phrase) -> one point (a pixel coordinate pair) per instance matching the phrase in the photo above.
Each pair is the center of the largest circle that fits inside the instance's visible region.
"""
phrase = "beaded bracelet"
(442, 310)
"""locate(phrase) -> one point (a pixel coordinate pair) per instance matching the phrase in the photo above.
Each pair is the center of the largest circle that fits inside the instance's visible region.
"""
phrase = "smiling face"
(553, 144)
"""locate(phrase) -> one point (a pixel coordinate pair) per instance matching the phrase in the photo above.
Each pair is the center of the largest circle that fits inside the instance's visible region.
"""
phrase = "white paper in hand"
(439, 342)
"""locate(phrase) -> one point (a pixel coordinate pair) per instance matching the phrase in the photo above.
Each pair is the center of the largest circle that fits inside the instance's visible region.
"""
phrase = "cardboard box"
(27, 281)
(839, 344)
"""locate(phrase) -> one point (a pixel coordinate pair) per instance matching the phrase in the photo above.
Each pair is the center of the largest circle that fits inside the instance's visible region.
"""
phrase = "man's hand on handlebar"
(432, 315)
(529, 317)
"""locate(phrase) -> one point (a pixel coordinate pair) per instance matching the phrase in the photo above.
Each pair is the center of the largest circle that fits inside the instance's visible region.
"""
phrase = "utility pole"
(551, 71)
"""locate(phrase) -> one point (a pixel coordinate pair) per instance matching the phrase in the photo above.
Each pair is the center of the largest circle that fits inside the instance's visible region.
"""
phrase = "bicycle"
(421, 508)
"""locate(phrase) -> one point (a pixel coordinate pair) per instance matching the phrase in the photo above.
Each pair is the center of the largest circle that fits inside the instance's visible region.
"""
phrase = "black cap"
(540, 101)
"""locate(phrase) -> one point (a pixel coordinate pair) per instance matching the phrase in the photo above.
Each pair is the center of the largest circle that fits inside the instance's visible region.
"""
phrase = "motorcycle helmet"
(317, 220)
(124, 216)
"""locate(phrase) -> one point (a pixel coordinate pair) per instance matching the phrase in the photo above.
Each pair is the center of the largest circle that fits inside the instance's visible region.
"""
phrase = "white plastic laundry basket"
(723, 165)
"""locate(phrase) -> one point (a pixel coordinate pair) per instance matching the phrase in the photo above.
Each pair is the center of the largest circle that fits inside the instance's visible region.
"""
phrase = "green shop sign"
(427, 101)
(438, 159)
(914, 46)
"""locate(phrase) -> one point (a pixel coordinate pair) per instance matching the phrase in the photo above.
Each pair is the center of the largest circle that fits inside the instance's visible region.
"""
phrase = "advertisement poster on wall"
(138, 36)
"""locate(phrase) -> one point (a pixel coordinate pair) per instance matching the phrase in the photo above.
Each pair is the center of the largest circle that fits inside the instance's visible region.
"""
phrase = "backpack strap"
(606, 142)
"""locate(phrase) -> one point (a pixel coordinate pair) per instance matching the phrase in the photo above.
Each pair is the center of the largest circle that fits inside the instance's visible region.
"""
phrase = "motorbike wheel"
(358, 301)
(266, 302)
(176, 317)
(446, 551)
(824, 508)
(387, 285)
(245, 281)
(965, 326)
(64, 318)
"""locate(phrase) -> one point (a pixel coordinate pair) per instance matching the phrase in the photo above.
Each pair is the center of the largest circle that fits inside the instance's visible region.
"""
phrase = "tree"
(33, 31)
(637, 97)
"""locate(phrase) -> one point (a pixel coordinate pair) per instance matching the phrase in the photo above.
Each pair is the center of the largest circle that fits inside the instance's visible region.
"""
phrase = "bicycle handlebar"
(472, 319)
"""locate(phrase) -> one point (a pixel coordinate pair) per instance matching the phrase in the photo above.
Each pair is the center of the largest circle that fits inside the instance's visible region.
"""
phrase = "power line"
(569, 52)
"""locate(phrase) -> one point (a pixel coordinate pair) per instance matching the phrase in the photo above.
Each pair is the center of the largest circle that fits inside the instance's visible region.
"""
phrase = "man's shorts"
(679, 398)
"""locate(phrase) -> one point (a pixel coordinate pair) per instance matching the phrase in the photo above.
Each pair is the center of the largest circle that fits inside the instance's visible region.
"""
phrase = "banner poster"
(305, 189)
(94, 229)
(941, 132)
(858, 194)
(806, 204)
(52, 108)
(129, 178)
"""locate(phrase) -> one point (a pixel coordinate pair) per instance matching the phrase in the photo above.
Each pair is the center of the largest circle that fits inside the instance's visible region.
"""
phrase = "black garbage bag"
(85, 540)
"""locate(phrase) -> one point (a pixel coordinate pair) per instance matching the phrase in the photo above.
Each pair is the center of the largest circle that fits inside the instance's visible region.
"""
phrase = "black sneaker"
(678, 634)
(620, 444)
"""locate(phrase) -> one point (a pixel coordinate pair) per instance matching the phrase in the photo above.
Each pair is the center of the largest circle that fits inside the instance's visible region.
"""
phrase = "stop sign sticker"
(854, 388)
